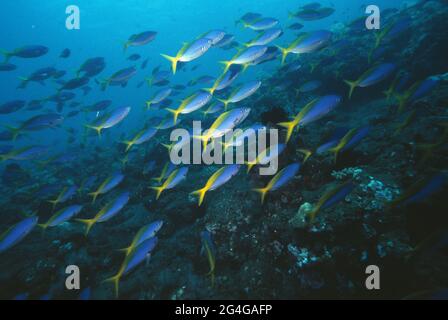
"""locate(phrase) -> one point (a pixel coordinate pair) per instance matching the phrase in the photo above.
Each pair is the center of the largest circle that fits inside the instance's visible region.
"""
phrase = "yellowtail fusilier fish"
(226, 79)
(267, 155)
(66, 194)
(17, 232)
(265, 38)
(62, 216)
(245, 57)
(189, 52)
(145, 233)
(330, 198)
(313, 111)
(141, 137)
(140, 39)
(191, 104)
(261, 24)
(159, 96)
(109, 120)
(241, 93)
(219, 178)
(309, 42)
(417, 91)
(215, 107)
(107, 212)
(223, 124)
(27, 52)
(279, 180)
(107, 185)
(209, 249)
(167, 169)
(173, 180)
(372, 76)
(421, 190)
(350, 140)
(239, 136)
(132, 260)
(119, 78)
(25, 153)
(36, 123)
(215, 36)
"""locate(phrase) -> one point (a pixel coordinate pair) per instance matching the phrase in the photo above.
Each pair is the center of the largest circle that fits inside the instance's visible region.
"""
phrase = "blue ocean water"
(350, 164)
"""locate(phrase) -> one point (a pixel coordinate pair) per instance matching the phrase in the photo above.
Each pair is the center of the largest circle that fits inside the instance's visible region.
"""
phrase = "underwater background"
(85, 169)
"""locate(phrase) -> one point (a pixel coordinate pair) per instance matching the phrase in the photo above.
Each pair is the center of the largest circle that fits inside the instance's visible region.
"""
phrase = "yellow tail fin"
(250, 166)
(174, 112)
(263, 192)
(352, 85)
(97, 129)
(290, 125)
(94, 195)
(128, 144)
(306, 153)
(227, 65)
(173, 61)
(158, 190)
(226, 103)
(201, 194)
(116, 281)
(14, 131)
(89, 224)
(284, 52)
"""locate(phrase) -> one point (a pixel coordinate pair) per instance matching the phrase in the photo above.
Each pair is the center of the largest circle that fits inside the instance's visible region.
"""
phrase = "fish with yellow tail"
(241, 93)
(132, 260)
(350, 140)
(189, 52)
(191, 104)
(372, 76)
(226, 79)
(331, 198)
(223, 124)
(141, 137)
(62, 216)
(219, 178)
(327, 144)
(173, 180)
(107, 212)
(146, 232)
(107, 185)
(209, 249)
(267, 155)
(167, 169)
(314, 110)
(66, 194)
(421, 190)
(245, 57)
(109, 120)
(17, 232)
(279, 180)
(159, 97)
(306, 43)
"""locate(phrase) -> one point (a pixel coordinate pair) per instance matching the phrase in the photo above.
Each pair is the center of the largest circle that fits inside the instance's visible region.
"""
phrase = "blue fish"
(17, 232)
